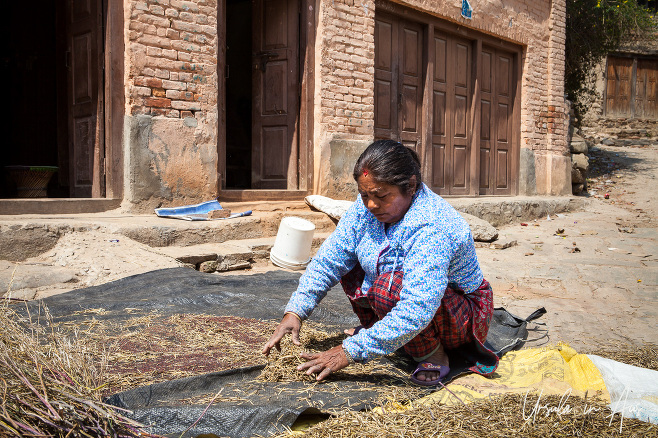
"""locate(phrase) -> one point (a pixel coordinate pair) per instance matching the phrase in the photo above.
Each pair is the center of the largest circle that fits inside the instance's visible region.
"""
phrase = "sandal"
(428, 366)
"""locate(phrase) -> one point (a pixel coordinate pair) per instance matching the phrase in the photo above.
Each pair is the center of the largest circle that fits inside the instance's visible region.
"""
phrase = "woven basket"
(31, 181)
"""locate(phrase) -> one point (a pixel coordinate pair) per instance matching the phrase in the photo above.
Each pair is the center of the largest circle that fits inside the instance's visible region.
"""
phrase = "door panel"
(618, 88)
(275, 94)
(496, 114)
(502, 88)
(398, 80)
(411, 84)
(85, 109)
(645, 95)
(385, 82)
(451, 109)
(440, 174)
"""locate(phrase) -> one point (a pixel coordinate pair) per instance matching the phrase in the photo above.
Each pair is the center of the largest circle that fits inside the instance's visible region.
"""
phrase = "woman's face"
(386, 202)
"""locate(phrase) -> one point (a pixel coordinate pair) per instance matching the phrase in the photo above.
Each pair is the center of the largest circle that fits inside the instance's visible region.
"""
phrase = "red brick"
(148, 82)
(158, 112)
(158, 102)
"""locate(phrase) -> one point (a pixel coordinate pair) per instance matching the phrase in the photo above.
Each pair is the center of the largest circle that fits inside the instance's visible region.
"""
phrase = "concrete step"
(26, 236)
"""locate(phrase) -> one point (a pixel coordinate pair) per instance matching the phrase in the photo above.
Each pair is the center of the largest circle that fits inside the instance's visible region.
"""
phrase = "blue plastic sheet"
(196, 212)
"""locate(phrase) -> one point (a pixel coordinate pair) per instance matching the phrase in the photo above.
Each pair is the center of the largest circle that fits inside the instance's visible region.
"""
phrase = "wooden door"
(496, 110)
(85, 103)
(618, 86)
(398, 80)
(451, 139)
(275, 57)
(646, 92)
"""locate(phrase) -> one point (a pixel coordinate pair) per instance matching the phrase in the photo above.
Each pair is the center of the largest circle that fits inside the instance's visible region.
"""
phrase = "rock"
(578, 145)
(208, 267)
(33, 275)
(577, 189)
(219, 214)
(503, 245)
(608, 142)
(580, 161)
(482, 230)
(577, 176)
(334, 208)
(223, 267)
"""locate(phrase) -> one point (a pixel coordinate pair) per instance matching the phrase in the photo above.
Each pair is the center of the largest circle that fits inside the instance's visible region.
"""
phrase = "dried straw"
(153, 348)
(384, 377)
(645, 356)
(49, 385)
(515, 415)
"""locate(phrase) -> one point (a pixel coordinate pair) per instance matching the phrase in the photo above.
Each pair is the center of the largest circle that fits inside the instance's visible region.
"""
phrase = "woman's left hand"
(324, 363)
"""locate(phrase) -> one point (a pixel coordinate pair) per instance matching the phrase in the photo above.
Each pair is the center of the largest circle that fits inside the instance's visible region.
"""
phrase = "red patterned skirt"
(461, 323)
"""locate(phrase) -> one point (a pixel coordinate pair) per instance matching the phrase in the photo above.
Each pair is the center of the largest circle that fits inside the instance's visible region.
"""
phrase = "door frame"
(307, 34)
(477, 38)
(114, 101)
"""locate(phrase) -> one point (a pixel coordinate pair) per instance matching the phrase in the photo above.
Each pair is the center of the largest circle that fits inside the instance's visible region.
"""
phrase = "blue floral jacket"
(432, 245)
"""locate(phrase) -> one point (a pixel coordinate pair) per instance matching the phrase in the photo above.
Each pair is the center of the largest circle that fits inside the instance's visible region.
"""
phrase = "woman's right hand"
(289, 324)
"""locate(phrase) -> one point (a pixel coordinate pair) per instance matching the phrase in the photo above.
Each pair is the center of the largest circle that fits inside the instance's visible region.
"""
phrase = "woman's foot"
(353, 331)
(438, 358)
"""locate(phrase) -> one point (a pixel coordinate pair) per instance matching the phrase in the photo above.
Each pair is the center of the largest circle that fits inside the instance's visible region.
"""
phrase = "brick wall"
(347, 67)
(172, 49)
(345, 104)
(171, 101)
(171, 77)
(346, 63)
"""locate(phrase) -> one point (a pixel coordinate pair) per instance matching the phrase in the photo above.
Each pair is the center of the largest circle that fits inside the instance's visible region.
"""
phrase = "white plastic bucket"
(292, 246)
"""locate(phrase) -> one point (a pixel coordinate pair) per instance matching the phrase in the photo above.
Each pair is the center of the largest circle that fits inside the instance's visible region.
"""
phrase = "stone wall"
(171, 104)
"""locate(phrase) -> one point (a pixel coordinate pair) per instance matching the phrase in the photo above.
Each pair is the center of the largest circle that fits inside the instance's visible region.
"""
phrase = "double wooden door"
(631, 87)
(441, 123)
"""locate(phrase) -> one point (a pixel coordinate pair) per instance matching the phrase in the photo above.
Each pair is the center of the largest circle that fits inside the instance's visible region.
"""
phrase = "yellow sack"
(555, 370)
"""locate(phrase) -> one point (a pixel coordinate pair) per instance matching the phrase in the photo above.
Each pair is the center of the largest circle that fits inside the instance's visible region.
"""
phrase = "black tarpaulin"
(249, 407)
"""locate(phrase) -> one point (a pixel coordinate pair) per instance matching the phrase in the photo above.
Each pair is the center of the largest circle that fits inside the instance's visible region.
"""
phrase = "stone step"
(230, 255)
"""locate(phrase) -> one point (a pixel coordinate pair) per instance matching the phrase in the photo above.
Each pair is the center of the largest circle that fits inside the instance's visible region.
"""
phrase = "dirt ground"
(595, 271)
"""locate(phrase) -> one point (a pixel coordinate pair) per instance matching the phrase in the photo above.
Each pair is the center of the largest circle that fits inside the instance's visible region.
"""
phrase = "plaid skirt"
(461, 322)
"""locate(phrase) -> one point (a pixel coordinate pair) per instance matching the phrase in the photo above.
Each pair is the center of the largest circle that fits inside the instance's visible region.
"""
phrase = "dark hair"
(390, 162)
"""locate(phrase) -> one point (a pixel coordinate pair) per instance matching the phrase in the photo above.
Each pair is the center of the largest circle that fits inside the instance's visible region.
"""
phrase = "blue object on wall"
(467, 10)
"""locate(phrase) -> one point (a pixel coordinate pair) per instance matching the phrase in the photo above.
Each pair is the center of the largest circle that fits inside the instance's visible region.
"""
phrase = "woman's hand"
(289, 324)
(324, 363)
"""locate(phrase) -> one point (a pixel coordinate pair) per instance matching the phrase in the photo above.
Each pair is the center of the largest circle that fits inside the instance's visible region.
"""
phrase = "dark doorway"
(29, 118)
(262, 94)
(238, 93)
(55, 117)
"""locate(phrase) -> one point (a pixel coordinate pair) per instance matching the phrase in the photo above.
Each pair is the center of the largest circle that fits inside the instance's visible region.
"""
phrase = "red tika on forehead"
(365, 173)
